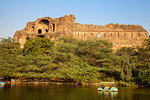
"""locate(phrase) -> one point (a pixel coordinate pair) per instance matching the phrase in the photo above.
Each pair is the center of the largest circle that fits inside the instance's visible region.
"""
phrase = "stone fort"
(120, 35)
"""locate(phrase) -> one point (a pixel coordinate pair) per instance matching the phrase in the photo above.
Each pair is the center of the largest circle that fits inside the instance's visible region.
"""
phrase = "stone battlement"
(119, 35)
(109, 27)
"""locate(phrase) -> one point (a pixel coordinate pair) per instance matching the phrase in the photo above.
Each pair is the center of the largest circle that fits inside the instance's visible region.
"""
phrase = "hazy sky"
(14, 14)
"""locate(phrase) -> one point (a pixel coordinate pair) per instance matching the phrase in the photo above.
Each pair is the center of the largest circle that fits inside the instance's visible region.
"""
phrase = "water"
(67, 92)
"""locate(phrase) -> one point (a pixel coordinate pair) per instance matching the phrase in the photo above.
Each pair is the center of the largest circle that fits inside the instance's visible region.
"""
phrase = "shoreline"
(56, 83)
(61, 82)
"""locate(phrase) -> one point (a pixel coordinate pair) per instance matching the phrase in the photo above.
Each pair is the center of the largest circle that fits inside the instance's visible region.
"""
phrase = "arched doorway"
(39, 31)
(44, 21)
(53, 27)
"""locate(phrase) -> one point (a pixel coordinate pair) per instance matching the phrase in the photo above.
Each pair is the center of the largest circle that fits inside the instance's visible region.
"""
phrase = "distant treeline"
(74, 60)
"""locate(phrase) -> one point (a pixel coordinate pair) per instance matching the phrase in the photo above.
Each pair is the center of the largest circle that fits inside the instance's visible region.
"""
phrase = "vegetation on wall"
(72, 60)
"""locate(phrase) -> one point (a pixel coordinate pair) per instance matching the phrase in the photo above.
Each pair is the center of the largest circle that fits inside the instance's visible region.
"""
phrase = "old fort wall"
(119, 35)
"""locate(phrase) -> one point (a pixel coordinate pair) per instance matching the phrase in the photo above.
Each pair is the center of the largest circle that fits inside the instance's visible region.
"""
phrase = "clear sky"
(14, 14)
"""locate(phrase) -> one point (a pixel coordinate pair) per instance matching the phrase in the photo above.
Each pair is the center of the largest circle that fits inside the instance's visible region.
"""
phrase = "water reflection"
(1, 85)
(69, 92)
(107, 94)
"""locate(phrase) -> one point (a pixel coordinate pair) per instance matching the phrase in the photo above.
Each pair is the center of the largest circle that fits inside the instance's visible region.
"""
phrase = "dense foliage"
(37, 46)
(74, 60)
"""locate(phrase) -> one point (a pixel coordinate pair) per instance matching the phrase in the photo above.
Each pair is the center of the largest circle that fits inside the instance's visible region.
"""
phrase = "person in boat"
(103, 87)
(111, 87)
(106, 87)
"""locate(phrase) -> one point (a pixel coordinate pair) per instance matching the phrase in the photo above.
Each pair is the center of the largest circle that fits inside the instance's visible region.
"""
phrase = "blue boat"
(1, 84)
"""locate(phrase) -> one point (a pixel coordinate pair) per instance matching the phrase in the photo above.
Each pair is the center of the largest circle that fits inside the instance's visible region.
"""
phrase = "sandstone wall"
(119, 35)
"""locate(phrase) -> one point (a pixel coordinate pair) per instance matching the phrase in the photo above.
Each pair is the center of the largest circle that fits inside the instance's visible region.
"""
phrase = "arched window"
(32, 28)
(118, 34)
(46, 30)
(53, 27)
(91, 35)
(44, 21)
(84, 34)
(99, 35)
(111, 35)
(132, 35)
(125, 35)
(138, 34)
(39, 31)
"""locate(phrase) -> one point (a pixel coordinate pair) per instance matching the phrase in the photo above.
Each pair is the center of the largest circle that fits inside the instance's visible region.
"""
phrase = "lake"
(69, 92)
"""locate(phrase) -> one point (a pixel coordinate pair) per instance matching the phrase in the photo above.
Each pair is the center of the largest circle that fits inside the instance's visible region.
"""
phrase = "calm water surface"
(67, 92)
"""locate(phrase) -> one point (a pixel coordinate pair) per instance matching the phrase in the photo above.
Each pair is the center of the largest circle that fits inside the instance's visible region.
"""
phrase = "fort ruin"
(119, 35)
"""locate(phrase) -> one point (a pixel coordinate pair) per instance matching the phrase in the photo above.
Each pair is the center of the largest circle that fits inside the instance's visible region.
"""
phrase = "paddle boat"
(107, 88)
(1, 84)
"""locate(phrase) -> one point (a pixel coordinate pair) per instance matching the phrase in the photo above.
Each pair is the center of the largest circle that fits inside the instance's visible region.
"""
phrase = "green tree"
(6, 40)
(39, 66)
(143, 65)
(37, 46)
(128, 61)
(74, 61)
(8, 53)
(144, 76)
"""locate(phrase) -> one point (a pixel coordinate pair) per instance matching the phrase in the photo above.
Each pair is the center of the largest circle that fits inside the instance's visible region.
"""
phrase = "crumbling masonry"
(119, 35)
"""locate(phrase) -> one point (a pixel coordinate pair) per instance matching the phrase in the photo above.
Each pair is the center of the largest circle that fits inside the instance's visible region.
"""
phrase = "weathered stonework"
(119, 35)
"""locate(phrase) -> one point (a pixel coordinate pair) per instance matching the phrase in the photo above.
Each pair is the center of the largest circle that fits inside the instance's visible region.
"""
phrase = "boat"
(112, 89)
(107, 88)
(1, 84)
